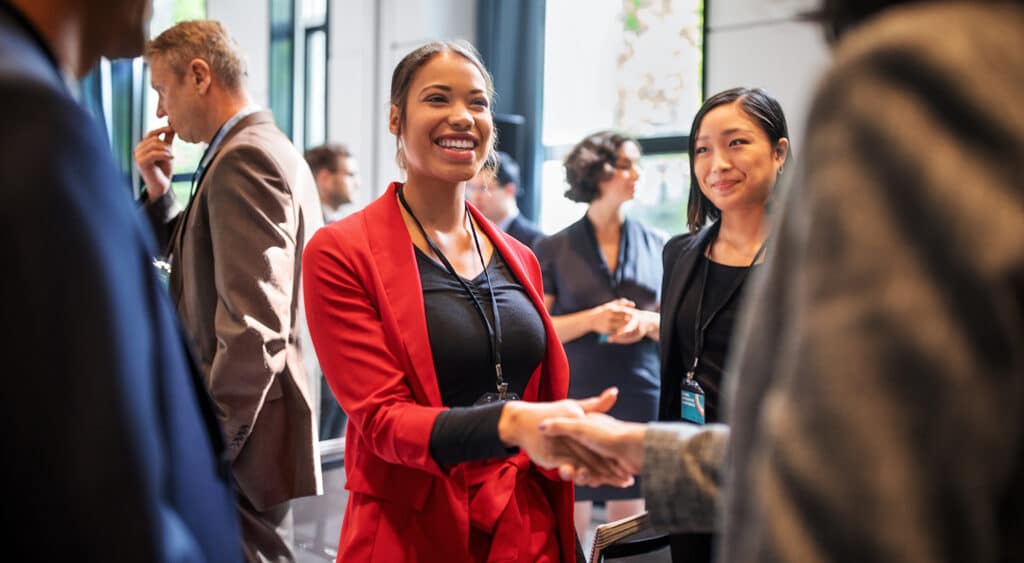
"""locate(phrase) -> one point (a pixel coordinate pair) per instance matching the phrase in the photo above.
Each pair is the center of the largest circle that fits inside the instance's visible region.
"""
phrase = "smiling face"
(620, 186)
(447, 125)
(735, 163)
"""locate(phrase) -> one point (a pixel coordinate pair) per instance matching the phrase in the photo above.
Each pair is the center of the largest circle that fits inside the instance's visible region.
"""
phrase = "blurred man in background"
(235, 255)
(493, 192)
(336, 173)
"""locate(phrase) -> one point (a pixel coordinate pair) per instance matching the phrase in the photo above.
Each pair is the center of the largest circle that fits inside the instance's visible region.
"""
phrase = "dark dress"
(576, 275)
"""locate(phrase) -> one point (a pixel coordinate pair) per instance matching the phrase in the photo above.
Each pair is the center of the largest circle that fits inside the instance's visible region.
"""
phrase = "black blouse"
(721, 280)
(460, 345)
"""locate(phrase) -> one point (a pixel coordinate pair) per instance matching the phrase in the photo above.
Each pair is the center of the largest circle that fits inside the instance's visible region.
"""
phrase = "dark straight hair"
(763, 109)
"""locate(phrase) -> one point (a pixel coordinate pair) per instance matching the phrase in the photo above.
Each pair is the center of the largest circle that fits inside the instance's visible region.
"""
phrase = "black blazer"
(525, 231)
(680, 261)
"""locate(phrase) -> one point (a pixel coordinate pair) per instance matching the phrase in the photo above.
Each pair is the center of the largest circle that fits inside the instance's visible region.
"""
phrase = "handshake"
(577, 438)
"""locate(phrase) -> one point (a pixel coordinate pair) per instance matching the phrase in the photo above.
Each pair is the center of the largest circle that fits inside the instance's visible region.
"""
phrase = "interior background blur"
(640, 66)
(567, 67)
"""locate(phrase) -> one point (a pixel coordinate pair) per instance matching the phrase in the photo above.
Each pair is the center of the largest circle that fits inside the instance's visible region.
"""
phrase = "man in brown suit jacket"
(235, 253)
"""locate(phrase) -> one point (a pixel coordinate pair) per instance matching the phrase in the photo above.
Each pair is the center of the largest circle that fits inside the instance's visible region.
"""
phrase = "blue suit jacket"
(111, 450)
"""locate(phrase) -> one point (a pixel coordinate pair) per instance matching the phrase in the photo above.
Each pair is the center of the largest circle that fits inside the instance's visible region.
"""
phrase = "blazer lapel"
(176, 281)
(392, 251)
(679, 273)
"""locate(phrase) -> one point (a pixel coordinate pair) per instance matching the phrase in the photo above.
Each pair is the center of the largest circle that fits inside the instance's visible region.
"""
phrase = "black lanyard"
(493, 331)
(700, 329)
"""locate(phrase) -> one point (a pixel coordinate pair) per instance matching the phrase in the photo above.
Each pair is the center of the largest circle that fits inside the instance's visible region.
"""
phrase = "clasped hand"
(622, 321)
(577, 438)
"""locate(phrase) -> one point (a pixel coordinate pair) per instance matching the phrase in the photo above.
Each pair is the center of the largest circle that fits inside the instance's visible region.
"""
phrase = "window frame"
(655, 144)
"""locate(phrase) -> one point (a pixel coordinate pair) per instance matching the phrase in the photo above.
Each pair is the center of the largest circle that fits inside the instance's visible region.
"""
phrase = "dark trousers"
(691, 548)
(332, 418)
(267, 536)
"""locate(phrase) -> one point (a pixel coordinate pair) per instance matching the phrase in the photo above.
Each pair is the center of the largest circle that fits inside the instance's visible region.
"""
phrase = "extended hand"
(520, 425)
(153, 157)
(606, 438)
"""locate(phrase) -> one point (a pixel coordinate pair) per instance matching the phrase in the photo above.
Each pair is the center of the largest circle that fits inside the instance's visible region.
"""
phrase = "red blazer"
(364, 305)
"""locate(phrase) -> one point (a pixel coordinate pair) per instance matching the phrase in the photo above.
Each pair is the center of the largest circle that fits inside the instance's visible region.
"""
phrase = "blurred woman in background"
(602, 279)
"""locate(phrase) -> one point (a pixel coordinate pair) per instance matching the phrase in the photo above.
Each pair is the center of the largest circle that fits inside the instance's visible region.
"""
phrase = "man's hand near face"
(153, 157)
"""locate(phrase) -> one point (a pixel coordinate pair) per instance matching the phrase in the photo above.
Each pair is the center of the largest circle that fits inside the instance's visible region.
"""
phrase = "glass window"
(660, 200)
(314, 13)
(282, 63)
(299, 49)
(316, 88)
(633, 66)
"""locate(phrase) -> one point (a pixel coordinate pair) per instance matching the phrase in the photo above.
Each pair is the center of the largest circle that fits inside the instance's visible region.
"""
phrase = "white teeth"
(455, 143)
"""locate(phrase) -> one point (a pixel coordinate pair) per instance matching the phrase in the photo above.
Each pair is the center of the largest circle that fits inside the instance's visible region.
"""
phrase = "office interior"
(563, 69)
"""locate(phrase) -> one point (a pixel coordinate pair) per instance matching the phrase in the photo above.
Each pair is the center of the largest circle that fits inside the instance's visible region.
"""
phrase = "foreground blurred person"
(235, 252)
(111, 446)
(429, 325)
(876, 402)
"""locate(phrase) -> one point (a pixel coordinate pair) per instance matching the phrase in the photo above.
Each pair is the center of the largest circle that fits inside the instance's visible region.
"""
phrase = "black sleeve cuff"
(468, 434)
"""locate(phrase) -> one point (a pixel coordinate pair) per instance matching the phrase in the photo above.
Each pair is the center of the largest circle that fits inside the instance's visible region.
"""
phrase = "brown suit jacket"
(235, 279)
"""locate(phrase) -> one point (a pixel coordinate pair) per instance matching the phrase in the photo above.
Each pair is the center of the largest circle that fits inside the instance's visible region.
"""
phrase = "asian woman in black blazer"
(738, 146)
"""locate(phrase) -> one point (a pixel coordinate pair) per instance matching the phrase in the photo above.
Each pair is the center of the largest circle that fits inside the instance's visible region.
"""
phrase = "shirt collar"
(224, 130)
(507, 221)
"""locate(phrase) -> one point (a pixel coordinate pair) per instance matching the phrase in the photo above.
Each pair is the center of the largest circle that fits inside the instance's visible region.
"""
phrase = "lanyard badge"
(692, 399)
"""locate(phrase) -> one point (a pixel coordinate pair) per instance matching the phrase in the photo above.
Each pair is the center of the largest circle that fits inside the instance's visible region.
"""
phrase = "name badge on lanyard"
(693, 401)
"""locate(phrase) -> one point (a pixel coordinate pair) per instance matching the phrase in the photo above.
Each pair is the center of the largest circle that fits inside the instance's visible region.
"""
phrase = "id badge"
(693, 401)
(488, 398)
(503, 393)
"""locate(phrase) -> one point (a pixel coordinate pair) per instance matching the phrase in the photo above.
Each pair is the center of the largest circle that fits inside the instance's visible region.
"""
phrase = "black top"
(721, 279)
(461, 350)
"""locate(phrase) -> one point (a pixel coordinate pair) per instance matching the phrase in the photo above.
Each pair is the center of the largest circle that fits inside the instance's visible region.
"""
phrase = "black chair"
(632, 548)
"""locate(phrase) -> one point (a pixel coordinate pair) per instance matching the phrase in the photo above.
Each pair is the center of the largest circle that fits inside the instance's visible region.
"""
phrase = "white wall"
(760, 43)
(248, 21)
(406, 24)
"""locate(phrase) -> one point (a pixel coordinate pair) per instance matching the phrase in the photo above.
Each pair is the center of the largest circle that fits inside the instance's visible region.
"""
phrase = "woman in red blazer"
(428, 323)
